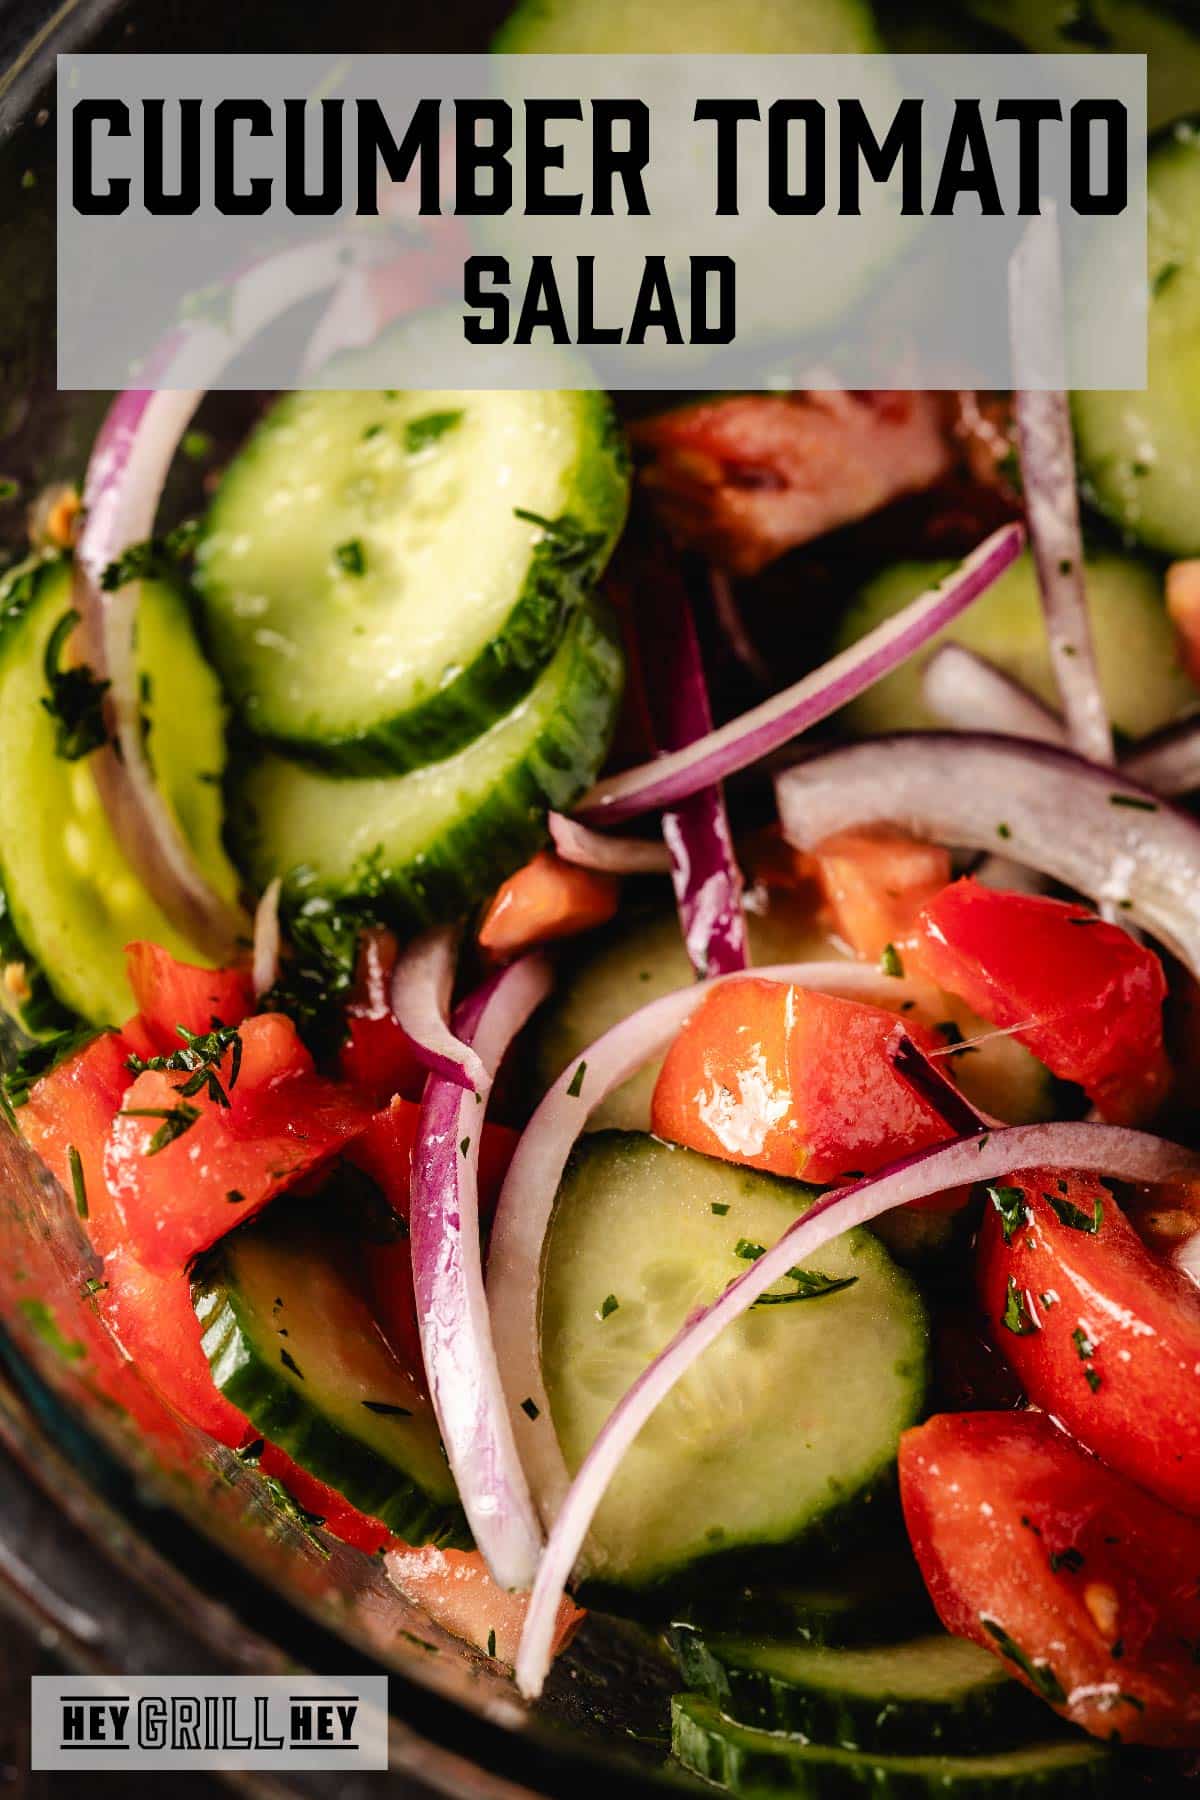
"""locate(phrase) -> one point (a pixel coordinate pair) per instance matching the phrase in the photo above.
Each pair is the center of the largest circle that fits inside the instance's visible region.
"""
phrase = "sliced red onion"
(1047, 449)
(265, 966)
(1100, 1149)
(1168, 761)
(527, 1197)
(456, 1338)
(1086, 826)
(968, 693)
(1187, 1257)
(605, 852)
(124, 482)
(769, 726)
(422, 983)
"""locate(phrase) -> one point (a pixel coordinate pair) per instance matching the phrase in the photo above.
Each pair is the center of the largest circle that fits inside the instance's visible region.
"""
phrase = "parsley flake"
(608, 1306)
(350, 557)
(420, 433)
(1134, 802)
(1017, 1317)
(176, 1120)
(1074, 1218)
(75, 700)
(386, 1410)
(529, 1408)
(576, 1087)
(1040, 1674)
(1009, 1202)
(78, 1184)
(890, 963)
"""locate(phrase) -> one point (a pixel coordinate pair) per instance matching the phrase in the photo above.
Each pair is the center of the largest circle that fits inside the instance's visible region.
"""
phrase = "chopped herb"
(1040, 1674)
(1093, 1380)
(40, 1059)
(608, 1306)
(372, 431)
(1083, 1343)
(890, 963)
(9, 489)
(465, 1145)
(1140, 469)
(289, 1362)
(175, 1121)
(1029, 1525)
(1070, 1559)
(491, 1644)
(529, 1408)
(811, 1284)
(386, 1410)
(235, 1198)
(1134, 801)
(576, 1087)
(152, 559)
(1065, 565)
(1163, 277)
(420, 433)
(92, 1286)
(1009, 1202)
(197, 446)
(720, 1207)
(1091, 919)
(350, 557)
(78, 1184)
(76, 697)
(199, 1059)
(1074, 1218)
(748, 1250)
(315, 980)
(1003, 830)
(1017, 1317)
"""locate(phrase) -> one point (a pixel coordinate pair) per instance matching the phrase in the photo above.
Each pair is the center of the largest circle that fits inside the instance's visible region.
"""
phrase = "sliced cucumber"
(373, 596)
(757, 1762)
(1140, 452)
(933, 1693)
(426, 846)
(878, 1597)
(634, 963)
(1140, 672)
(70, 900)
(291, 1341)
(700, 27)
(655, 1229)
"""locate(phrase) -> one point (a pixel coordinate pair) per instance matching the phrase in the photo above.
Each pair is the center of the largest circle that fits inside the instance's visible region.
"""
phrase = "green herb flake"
(720, 1207)
(890, 963)
(1009, 1202)
(1093, 1380)
(200, 1057)
(748, 1250)
(176, 1120)
(811, 1284)
(40, 1059)
(75, 697)
(1134, 801)
(529, 1408)
(491, 1643)
(1003, 831)
(289, 1362)
(386, 1410)
(350, 557)
(420, 433)
(9, 489)
(576, 1086)
(152, 559)
(608, 1306)
(1073, 1217)
(79, 1186)
(1017, 1317)
(1065, 565)
(1070, 1559)
(197, 446)
(1084, 1346)
(465, 1146)
(93, 1286)
(1041, 1675)
(235, 1197)
(1163, 277)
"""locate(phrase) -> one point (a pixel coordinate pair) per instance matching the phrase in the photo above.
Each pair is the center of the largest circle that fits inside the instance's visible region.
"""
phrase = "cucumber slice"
(717, 1468)
(372, 596)
(878, 1598)
(69, 901)
(426, 846)
(634, 962)
(756, 1762)
(1143, 682)
(291, 1341)
(700, 27)
(1140, 452)
(933, 1693)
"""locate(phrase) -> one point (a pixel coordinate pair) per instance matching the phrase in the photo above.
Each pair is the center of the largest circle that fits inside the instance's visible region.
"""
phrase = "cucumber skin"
(503, 672)
(890, 1605)
(284, 1417)
(464, 864)
(705, 1744)
(1000, 1715)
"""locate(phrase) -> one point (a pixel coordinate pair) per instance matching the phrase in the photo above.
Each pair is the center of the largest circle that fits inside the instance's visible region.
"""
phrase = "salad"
(617, 1000)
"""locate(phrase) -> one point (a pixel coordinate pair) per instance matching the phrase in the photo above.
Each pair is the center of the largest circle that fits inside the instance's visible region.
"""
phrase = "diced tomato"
(171, 993)
(455, 1589)
(152, 1318)
(875, 880)
(282, 1123)
(547, 899)
(72, 1107)
(1087, 1587)
(793, 1081)
(1183, 605)
(377, 1057)
(1087, 998)
(337, 1515)
(1102, 1334)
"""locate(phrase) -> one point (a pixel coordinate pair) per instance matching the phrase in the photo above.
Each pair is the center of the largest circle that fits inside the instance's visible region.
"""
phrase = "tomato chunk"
(377, 1057)
(180, 1180)
(1087, 1587)
(792, 1081)
(1087, 998)
(72, 1108)
(455, 1589)
(1102, 1334)
(336, 1514)
(875, 880)
(170, 993)
(151, 1316)
(547, 899)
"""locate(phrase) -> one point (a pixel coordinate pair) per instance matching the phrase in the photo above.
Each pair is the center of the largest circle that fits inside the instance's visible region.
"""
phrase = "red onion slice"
(913, 1066)
(609, 854)
(422, 983)
(1047, 449)
(527, 1197)
(968, 693)
(767, 727)
(1100, 1149)
(1187, 1257)
(265, 965)
(456, 1338)
(1086, 826)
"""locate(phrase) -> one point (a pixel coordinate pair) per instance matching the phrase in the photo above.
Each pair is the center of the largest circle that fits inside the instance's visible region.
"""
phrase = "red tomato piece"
(152, 1318)
(1087, 998)
(336, 1514)
(800, 1083)
(1102, 1334)
(455, 1589)
(1087, 1587)
(72, 1107)
(282, 1123)
(547, 899)
(171, 993)
(875, 880)
(377, 1057)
